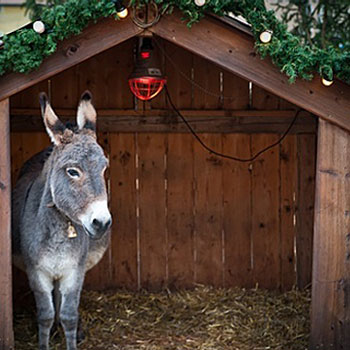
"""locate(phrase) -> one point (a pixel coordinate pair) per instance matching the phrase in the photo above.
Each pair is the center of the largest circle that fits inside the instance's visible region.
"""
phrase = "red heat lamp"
(146, 81)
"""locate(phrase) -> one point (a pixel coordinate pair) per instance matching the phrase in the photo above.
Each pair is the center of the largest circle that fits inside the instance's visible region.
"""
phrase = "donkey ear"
(54, 126)
(86, 116)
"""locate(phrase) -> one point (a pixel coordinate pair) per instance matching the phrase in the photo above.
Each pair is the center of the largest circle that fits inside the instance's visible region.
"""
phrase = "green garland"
(25, 49)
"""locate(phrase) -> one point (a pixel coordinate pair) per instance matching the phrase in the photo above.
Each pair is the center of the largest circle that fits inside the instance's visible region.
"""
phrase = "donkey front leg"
(70, 288)
(42, 286)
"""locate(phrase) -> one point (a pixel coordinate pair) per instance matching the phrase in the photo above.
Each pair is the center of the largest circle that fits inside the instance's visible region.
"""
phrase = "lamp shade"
(146, 81)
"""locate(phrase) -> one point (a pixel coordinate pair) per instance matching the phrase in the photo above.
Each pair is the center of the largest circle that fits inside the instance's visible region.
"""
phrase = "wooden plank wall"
(182, 215)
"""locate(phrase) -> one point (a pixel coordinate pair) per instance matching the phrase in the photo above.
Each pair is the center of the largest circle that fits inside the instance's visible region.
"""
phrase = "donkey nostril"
(96, 223)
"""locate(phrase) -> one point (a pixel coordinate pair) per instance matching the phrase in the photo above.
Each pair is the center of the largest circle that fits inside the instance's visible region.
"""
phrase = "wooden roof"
(222, 41)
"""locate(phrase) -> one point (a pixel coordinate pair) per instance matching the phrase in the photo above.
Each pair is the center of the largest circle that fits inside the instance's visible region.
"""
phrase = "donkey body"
(61, 220)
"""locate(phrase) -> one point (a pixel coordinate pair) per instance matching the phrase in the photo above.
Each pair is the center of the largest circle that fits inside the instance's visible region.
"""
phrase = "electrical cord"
(226, 155)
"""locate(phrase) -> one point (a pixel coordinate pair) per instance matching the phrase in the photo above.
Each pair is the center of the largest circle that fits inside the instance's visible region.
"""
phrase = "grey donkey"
(60, 221)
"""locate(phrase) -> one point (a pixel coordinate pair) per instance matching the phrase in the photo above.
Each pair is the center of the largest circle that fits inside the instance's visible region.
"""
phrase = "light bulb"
(39, 27)
(199, 2)
(123, 13)
(326, 82)
(266, 36)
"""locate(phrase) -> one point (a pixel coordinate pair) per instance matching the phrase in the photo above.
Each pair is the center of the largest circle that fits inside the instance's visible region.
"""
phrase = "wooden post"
(330, 319)
(6, 330)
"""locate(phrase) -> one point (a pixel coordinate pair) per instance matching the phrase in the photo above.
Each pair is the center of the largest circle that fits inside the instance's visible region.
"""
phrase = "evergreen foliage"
(296, 56)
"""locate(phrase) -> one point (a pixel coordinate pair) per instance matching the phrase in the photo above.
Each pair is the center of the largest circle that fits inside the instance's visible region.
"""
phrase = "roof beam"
(93, 40)
(233, 50)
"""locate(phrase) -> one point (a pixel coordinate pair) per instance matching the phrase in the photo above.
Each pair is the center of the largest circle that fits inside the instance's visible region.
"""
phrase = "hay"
(202, 319)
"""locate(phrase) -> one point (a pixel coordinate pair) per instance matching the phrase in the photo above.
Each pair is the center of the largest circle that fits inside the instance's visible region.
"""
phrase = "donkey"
(60, 221)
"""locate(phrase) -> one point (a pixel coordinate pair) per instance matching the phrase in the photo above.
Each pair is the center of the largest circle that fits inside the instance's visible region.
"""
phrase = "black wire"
(226, 155)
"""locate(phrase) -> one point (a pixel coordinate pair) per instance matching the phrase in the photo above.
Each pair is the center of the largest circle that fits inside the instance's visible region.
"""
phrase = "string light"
(199, 2)
(326, 82)
(122, 11)
(266, 36)
(39, 27)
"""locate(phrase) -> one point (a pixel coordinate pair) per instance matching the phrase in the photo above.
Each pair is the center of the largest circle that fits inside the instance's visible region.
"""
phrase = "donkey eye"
(72, 172)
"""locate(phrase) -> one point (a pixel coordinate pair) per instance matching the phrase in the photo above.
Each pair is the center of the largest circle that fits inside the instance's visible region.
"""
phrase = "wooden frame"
(330, 319)
(214, 121)
(6, 331)
(233, 50)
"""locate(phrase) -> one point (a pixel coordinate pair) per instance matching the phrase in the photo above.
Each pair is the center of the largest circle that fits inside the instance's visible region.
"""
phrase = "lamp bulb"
(326, 82)
(266, 36)
(199, 2)
(39, 27)
(123, 14)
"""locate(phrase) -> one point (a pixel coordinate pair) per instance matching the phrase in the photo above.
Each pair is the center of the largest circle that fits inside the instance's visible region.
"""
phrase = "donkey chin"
(96, 219)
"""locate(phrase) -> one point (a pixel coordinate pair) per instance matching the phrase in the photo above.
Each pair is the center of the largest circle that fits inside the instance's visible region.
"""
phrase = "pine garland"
(24, 50)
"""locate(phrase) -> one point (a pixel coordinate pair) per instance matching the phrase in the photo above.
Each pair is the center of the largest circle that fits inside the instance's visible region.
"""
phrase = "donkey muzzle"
(97, 219)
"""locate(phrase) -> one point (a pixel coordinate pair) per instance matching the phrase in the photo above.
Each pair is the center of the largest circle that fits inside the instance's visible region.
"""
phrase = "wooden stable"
(181, 215)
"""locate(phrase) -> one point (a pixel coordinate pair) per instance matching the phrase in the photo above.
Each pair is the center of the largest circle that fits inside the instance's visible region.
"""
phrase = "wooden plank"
(207, 94)
(237, 89)
(151, 150)
(234, 51)
(237, 184)
(180, 215)
(93, 40)
(288, 192)
(109, 86)
(208, 241)
(34, 142)
(160, 50)
(330, 317)
(160, 121)
(265, 213)
(262, 99)
(67, 97)
(179, 63)
(29, 98)
(16, 155)
(6, 328)
(100, 276)
(305, 207)
(123, 207)
(112, 112)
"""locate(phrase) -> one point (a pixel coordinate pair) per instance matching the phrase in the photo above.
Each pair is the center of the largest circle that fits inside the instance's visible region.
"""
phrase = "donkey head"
(76, 173)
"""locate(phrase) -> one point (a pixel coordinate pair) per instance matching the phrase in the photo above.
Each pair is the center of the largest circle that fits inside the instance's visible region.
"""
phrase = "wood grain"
(123, 206)
(237, 215)
(109, 86)
(207, 84)
(165, 121)
(330, 320)
(305, 208)
(6, 328)
(288, 192)
(265, 214)
(152, 202)
(180, 218)
(208, 213)
(179, 64)
(235, 91)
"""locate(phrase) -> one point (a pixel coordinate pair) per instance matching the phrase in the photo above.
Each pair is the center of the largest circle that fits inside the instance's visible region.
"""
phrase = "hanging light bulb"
(122, 11)
(199, 2)
(39, 27)
(146, 81)
(326, 82)
(266, 36)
